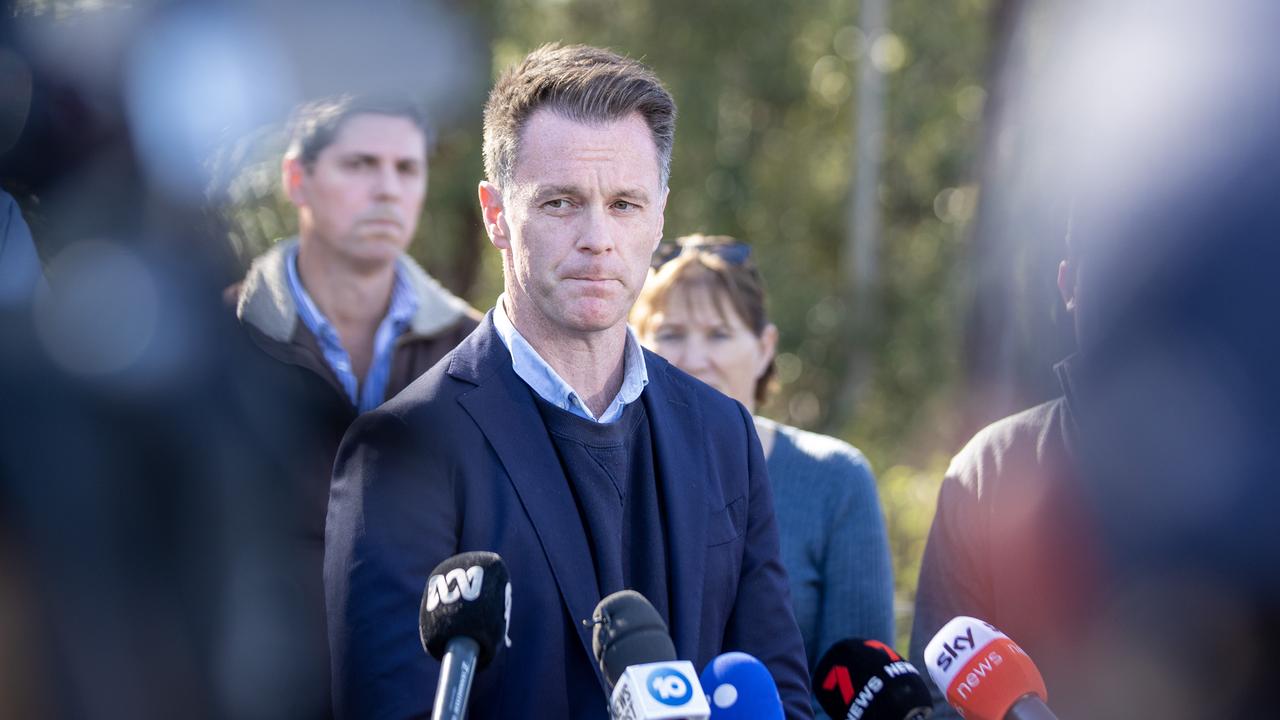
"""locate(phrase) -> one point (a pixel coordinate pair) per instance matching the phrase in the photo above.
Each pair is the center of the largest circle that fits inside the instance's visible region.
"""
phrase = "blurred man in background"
(344, 300)
(343, 306)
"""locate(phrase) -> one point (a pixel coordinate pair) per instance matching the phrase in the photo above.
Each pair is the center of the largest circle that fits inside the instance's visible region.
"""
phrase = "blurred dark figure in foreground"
(149, 552)
(1144, 571)
(1011, 543)
(20, 272)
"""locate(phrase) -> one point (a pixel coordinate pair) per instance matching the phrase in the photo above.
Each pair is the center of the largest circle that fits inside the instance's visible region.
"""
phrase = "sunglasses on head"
(734, 253)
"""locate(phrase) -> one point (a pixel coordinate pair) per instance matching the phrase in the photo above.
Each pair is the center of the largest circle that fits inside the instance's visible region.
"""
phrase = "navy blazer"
(460, 460)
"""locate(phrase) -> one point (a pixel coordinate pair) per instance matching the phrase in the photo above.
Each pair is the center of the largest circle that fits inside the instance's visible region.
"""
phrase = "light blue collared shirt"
(545, 381)
(369, 394)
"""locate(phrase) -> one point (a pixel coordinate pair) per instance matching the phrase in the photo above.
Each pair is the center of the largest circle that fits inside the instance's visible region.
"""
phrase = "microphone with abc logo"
(638, 661)
(464, 621)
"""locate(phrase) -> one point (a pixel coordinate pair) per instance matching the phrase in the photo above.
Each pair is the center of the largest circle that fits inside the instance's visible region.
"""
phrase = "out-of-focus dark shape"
(1153, 126)
(20, 272)
(148, 564)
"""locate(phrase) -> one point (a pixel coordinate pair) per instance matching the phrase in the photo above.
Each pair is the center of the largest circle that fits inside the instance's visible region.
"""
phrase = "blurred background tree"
(765, 151)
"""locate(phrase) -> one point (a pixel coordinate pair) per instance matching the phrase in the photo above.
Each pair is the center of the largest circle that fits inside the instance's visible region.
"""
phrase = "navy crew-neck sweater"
(612, 473)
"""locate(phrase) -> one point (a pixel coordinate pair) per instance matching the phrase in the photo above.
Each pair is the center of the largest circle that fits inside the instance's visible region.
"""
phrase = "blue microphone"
(739, 687)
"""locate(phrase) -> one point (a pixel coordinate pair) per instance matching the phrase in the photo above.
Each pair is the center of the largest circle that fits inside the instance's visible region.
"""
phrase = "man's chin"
(373, 254)
(588, 320)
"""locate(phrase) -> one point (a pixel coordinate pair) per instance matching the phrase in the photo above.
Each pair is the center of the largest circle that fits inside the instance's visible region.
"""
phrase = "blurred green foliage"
(764, 151)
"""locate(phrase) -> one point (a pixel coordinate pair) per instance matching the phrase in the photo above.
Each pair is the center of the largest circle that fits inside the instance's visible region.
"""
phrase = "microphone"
(638, 662)
(866, 680)
(986, 676)
(739, 687)
(464, 621)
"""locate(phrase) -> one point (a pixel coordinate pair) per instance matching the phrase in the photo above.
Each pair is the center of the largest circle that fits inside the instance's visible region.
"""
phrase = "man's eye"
(557, 204)
(624, 205)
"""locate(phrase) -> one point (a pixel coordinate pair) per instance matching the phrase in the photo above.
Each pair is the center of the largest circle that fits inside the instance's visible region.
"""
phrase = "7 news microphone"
(464, 621)
(866, 680)
(638, 661)
(984, 674)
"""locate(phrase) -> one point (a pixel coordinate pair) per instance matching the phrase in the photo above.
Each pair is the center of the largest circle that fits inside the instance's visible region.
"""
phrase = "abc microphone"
(985, 675)
(739, 687)
(464, 621)
(638, 662)
(866, 680)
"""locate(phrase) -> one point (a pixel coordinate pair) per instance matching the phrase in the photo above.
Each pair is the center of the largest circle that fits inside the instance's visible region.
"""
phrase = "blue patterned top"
(834, 543)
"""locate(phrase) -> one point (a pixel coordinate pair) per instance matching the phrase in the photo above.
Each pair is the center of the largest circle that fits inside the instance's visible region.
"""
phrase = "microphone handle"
(457, 670)
(1030, 707)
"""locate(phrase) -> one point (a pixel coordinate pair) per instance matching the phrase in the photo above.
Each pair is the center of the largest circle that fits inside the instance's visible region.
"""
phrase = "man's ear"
(494, 214)
(662, 219)
(1067, 284)
(291, 176)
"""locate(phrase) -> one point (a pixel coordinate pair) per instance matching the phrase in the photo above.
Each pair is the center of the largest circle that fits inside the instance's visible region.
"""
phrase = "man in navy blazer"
(551, 438)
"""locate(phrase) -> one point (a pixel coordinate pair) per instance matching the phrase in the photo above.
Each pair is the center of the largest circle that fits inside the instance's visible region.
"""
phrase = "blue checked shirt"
(545, 381)
(365, 395)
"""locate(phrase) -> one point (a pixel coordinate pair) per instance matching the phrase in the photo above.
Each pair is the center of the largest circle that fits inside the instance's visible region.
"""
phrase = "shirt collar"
(404, 303)
(545, 381)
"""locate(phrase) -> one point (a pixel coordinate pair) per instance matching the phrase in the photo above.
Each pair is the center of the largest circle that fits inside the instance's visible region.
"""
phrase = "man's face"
(579, 222)
(361, 199)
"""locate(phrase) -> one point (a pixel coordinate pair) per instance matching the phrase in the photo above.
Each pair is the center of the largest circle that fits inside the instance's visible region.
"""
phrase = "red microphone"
(985, 675)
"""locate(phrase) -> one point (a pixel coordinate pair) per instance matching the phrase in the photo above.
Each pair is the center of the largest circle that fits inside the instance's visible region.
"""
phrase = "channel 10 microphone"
(985, 675)
(638, 661)
(464, 621)
(739, 687)
(860, 679)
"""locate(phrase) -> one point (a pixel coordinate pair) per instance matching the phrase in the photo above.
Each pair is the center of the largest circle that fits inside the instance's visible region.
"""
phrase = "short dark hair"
(315, 124)
(583, 83)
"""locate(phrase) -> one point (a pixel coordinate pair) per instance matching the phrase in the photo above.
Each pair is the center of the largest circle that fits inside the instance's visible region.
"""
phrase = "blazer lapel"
(503, 408)
(682, 468)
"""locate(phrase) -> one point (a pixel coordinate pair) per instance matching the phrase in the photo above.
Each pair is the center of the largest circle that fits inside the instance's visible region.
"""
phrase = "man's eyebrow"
(366, 155)
(548, 190)
(634, 193)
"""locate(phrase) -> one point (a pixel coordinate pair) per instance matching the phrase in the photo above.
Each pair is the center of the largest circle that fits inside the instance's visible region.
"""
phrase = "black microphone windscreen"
(628, 631)
(467, 595)
(867, 680)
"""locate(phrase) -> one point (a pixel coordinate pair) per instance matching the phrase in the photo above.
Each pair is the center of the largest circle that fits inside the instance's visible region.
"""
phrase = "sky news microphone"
(638, 661)
(866, 680)
(984, 674)
(465, 620)
(739, 687)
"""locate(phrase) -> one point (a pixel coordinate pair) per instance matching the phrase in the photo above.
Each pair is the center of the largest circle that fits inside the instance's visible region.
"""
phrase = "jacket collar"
(502, 406)
(266, 303)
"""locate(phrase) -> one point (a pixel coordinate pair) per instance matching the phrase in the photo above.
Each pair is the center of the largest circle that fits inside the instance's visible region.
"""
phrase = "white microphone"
(666, 690)
(638, 661)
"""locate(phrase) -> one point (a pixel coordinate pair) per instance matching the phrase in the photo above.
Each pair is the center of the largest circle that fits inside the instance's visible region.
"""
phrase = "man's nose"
(595, 232)
(387, 183)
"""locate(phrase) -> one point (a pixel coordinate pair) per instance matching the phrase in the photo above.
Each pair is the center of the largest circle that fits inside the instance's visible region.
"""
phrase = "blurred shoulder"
(1010, 446)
